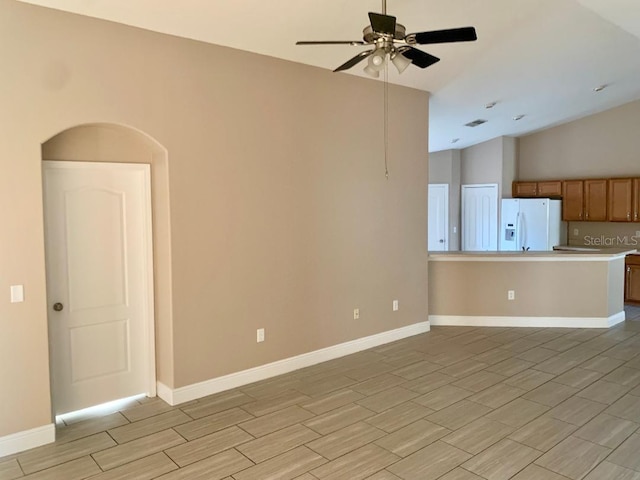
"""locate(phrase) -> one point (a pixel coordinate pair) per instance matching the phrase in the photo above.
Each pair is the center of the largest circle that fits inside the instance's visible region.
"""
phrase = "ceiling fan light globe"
(371, 71)
(400, 62)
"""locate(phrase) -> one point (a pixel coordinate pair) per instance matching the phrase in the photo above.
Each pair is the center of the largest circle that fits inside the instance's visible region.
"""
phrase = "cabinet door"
(595, 200)
(632, 284)
(524, 189)
(620, 199)
(635, 211)
(550, 189)
(572, 200)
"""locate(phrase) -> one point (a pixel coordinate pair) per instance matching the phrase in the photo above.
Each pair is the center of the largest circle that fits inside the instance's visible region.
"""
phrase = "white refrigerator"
(531, 224)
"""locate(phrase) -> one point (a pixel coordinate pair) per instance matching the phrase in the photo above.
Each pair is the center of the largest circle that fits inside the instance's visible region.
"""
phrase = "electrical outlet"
(356, 313)
(576, 232)
(395, 305)
(511, 295)
(638, 233)
(260, 335)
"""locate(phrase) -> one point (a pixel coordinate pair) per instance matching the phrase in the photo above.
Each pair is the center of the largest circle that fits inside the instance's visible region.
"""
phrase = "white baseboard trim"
(18, 442)
(564, 322)
(180, 395)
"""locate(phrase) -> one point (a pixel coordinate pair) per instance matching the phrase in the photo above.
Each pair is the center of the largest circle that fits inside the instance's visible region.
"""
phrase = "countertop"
(561, 254)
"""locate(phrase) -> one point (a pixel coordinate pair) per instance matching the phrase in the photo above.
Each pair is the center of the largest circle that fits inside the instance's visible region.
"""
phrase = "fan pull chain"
(386, 120)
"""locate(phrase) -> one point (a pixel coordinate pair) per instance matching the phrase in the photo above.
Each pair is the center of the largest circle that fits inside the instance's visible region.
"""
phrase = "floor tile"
(74, 470)
(413, 437)
(146, 410)
(603, 392)
(442, 397)
(624, 376)
(517, 413)
(576, 410)
(400, 416)
(89, 427)
(214, 467)
(478, 435)
(557, 365)
(275, 421)
(387, 399)
(274, 403)
(611, 471)
(602, 364)
(146, 468)
(276, 443)
(343, 441)
(543, 433)
(217, 403)
(529, 379)
(459, 414)
(325, 385)
(497, 396)
(429, 463)
(534, 472)
(378, 384)
(573, 457)
(478, 381)
(628, 407)
(218, 421)
(411, 372)
(537, 354)
(550, 394)
(356, 465)
(502, 460)
(286, 466)
(331, 401)
(338, 418)
(10, 469)
(54, 454)
(510, 367)
(204, 447)
(150, 425)
(136, 449)
(628, 453)
(606, 430)
(429, 382)
(463, 368)
(578, 377)
(460, 474)
(494, 356)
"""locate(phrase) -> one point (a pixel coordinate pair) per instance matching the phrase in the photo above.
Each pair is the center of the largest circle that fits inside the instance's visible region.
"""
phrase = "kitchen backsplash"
(609, 234)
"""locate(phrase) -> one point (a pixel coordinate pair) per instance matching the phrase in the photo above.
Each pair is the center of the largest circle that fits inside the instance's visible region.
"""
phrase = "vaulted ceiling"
(537, 58)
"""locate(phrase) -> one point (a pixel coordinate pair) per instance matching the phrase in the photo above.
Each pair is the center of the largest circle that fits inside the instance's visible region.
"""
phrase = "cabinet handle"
(628, 216)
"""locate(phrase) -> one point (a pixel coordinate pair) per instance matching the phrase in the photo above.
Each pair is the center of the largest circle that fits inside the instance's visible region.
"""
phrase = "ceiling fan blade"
(419, 58)
(354, 61)
(383, 23)
(464, 34)
(332, 42)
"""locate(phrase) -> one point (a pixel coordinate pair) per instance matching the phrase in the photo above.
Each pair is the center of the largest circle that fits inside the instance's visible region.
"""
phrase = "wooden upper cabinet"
(635, 210)
(550, 189)
(621, 196)
(524, 189)
(572, 200)
(595, 200)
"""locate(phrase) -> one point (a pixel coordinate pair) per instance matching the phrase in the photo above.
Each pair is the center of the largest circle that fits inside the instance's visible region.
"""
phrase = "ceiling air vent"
(475, 123)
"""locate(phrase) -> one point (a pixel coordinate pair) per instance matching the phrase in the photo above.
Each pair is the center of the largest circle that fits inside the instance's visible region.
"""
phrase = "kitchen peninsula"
(578, 289)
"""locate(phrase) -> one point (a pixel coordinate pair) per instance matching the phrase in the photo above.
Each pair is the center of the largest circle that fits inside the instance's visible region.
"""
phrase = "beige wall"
(493, 161)
(280, 214)
(542, 289)
(603, 145)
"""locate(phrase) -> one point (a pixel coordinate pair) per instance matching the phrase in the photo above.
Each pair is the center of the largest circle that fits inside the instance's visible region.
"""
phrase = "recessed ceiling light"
(599, 88)
(518, 117)
(455, 140)
(475, 123)
(490, 105)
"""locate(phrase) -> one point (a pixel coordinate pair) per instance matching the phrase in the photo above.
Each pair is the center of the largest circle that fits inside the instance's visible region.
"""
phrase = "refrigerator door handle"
(522, 231)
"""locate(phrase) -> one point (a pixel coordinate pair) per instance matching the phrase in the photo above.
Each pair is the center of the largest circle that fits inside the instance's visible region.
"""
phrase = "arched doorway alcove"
(101, 142)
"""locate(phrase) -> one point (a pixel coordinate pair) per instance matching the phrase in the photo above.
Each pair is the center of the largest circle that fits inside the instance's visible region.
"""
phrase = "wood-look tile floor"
(457, 403)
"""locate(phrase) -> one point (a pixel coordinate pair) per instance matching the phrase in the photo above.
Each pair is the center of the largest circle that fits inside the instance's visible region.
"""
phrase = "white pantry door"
(480, 217)
(438, 221)
(99, 282)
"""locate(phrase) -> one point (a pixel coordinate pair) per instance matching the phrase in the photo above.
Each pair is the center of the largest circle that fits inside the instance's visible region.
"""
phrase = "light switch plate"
(17, 293)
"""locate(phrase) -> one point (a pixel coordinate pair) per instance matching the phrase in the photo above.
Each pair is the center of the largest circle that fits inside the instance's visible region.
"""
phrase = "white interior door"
(438, 220)
(99, 282)
(480, 217)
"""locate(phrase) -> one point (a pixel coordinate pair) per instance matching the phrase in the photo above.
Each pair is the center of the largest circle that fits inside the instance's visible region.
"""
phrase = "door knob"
(58, 306)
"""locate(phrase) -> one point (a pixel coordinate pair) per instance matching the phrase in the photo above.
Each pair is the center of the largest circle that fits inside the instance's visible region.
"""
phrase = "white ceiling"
(540, 58)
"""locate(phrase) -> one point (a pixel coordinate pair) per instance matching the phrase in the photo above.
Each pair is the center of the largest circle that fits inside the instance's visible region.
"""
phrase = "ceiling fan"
(389, 38)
